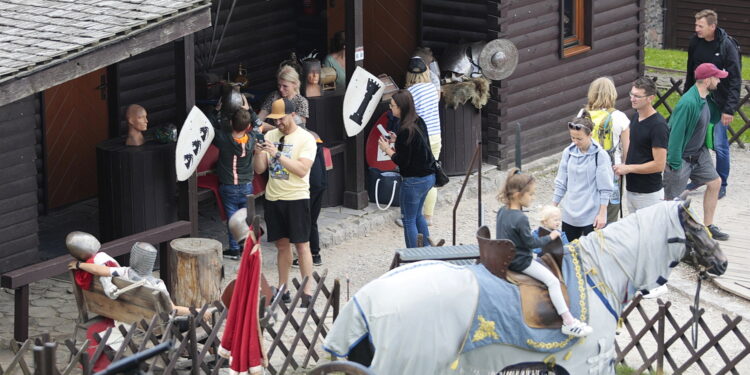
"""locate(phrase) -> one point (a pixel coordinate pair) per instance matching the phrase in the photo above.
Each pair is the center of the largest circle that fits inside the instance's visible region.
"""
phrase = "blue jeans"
(413, 193)
(721, 146)
(234, 197)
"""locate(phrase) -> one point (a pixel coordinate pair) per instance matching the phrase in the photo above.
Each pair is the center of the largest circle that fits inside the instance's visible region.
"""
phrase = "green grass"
(625, 370)
(674, 59)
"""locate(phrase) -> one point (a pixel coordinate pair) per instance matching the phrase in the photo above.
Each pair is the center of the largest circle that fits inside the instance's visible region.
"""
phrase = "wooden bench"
(460, 254)
(20, 279)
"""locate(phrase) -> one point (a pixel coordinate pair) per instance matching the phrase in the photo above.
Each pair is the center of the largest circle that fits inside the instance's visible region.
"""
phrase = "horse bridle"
(702, 271)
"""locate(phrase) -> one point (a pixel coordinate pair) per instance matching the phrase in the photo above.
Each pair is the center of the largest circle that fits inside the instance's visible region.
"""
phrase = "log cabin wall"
(147, 79)
(679, 23)
(20, 122)
(259, 35)
(546, 90)
(444, 23)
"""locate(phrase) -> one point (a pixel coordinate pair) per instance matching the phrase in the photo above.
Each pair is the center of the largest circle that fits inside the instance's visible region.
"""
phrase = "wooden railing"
(676, 89)
(662, 329)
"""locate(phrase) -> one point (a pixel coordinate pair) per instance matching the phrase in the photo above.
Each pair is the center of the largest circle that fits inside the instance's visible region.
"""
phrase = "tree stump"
(195, 271)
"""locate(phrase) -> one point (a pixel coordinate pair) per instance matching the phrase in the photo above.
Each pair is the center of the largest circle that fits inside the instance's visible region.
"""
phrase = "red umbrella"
(242, 341)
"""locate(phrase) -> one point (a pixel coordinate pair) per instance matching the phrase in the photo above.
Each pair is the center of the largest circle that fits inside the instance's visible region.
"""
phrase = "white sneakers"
(657, 292)
(577, 329)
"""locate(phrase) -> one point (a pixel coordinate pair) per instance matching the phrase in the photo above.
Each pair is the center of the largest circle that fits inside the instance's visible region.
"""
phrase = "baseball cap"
(708, 70)
(280, 108)
(417, 65)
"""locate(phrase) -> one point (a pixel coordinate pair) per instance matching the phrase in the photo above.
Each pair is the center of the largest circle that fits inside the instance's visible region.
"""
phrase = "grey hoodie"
(584, 183)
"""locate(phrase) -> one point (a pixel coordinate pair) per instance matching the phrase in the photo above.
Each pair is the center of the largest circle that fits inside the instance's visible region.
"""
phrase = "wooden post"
(196, 271)
(355, 195)
(21, 308)
(187, 191)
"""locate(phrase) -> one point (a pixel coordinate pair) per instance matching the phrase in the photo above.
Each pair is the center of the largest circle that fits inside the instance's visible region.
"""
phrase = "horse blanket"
(498, 318)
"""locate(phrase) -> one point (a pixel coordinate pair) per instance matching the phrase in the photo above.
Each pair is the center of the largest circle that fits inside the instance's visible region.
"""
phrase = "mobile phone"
(260, 138)
(383, 132)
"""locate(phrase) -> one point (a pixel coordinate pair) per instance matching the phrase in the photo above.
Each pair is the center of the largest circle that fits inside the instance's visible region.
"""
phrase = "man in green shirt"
(690, 137)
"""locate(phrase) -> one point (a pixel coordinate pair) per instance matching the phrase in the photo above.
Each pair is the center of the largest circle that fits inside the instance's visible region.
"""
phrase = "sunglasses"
(281, 144)
(574, 126)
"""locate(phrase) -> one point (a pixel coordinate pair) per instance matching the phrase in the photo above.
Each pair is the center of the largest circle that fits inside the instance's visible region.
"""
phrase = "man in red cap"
(712, 44)
(690, 137)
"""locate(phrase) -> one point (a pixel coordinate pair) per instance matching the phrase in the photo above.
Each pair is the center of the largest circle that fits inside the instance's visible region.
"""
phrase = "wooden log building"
(679, 21)
(563, 45)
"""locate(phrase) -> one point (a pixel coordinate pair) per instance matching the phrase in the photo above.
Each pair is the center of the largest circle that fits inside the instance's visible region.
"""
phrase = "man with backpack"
(712, 44)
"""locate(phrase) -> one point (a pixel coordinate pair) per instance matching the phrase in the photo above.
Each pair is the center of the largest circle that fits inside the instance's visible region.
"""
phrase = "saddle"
(536, 305)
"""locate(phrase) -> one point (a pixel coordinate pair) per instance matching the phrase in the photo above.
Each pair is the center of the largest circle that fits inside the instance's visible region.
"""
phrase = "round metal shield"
(498, 59)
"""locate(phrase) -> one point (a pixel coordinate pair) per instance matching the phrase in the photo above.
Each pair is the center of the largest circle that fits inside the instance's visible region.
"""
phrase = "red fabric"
(259, 183)
(211, 180)
(242, 335)
(84, 279)
(98, 327)
(371, 146)
(328, 159)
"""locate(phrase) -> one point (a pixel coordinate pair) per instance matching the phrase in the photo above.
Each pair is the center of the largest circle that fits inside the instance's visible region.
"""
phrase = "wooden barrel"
(460, 129)
(137, 187)
(196, 271)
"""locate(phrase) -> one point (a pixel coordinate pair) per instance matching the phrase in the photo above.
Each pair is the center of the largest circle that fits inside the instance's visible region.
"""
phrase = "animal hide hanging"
(476, 90)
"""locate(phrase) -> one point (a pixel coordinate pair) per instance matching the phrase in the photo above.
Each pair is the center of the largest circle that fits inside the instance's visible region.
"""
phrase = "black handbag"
(437, 166)
(440, 177)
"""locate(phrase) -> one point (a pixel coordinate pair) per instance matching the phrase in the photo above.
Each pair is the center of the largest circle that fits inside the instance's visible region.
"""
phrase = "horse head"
(702, 249)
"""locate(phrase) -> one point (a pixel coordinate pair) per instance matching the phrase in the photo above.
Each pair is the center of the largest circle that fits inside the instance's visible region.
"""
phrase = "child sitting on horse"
(550, 219)
(512, 224)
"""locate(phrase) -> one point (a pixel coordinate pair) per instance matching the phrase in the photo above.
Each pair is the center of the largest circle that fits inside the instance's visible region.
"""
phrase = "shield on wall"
(195, 137)
(363, 94)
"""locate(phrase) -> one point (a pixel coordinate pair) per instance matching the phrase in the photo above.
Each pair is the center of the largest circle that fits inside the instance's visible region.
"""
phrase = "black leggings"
(573, 232)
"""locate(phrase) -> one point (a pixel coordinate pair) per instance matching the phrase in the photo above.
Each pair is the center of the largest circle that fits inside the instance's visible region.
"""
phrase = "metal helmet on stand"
(82, 245)
(495, 60)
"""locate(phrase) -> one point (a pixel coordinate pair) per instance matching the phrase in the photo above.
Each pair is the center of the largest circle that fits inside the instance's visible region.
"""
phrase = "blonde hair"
(289, 74)
(602, 94)
(414, 78)
(710, 16)
(546, 212)
(515, 182)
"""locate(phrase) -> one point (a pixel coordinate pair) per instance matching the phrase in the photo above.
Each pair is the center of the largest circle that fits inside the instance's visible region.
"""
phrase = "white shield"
(363, 94)
(195, 137)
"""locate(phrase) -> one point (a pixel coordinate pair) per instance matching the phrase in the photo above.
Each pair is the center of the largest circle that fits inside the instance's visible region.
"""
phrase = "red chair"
(207, 179)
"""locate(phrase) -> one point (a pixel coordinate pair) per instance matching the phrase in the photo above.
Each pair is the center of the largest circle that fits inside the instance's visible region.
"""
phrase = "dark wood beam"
(355, 195)
(187, 191)
(106, 54)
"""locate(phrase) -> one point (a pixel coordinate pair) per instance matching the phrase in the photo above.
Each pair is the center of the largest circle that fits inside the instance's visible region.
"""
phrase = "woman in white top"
(614, 137)
(427, 105)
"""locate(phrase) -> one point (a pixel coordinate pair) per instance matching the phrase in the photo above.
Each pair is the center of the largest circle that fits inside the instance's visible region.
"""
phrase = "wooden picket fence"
(676, 89)
(293, 330)
(671, 337)
(194, 350)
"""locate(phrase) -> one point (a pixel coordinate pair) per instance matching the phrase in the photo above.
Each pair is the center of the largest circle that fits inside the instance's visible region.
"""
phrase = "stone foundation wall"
(654, 28)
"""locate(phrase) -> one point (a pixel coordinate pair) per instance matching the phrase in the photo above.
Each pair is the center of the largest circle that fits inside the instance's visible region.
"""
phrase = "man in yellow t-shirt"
(288, 154)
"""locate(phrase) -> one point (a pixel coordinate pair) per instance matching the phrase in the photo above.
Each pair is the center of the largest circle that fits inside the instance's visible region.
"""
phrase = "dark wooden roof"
(44, 43)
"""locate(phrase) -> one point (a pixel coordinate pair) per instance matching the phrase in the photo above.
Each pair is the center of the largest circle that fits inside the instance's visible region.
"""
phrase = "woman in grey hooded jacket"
(584, 178)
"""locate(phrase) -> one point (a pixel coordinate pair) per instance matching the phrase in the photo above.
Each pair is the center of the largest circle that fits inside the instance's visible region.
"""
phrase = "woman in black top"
(415, 162)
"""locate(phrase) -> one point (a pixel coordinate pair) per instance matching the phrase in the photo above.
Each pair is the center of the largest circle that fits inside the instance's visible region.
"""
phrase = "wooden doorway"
(390, 33)
(75, 114)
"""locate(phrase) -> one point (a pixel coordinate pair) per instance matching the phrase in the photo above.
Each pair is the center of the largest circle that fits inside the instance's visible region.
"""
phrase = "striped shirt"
(427, 105)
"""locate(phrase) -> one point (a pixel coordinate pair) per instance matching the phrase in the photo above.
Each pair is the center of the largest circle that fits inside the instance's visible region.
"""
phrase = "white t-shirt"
(620, 123)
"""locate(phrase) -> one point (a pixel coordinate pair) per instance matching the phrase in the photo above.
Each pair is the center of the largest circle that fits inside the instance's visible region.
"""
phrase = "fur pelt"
(476, 89)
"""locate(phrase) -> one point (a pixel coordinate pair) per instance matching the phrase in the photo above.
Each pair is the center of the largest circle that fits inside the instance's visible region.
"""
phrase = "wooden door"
(75, 121)
(390, 33)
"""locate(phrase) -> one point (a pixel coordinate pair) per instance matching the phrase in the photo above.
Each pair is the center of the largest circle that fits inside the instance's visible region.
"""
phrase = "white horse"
(417, 317)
